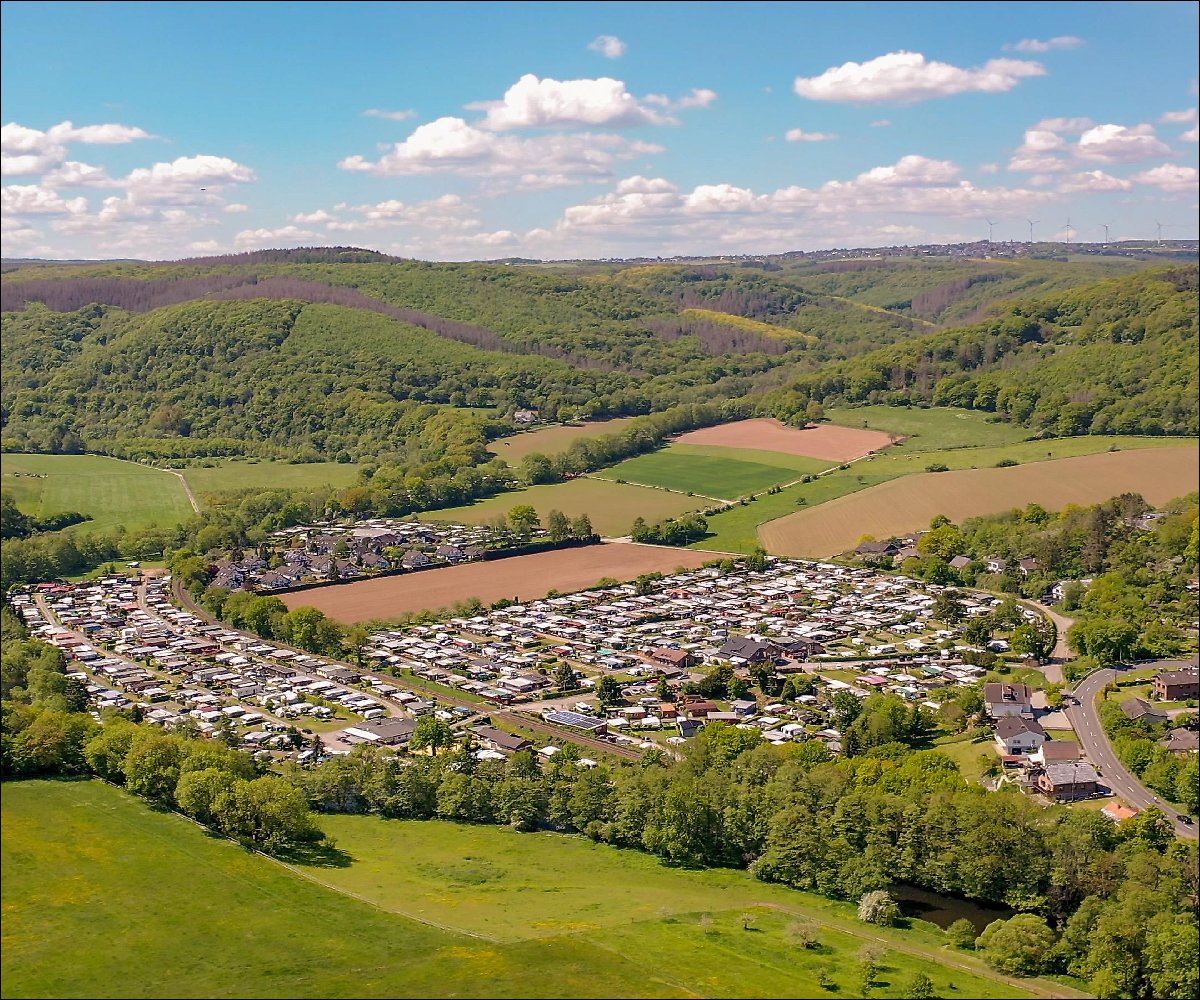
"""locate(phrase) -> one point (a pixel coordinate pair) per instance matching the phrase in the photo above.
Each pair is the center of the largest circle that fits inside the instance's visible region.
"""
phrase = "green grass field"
(737, 530)
(552, 440)
(112, 899)
(931, 430)
(111, 491)
(613, 507)
(969, 756)
(709, 471)
(235, 475)
(713, 471)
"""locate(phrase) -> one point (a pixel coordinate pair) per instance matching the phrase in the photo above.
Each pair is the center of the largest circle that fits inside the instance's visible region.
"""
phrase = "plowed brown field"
(524, 578)
(827, 441)
(907, 504)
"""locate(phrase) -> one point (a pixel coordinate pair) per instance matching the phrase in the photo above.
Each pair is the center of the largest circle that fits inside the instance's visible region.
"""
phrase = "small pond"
(943, 910)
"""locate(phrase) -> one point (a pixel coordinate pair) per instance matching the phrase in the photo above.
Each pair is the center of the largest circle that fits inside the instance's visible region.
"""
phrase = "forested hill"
(342, 352)
(1119, 356)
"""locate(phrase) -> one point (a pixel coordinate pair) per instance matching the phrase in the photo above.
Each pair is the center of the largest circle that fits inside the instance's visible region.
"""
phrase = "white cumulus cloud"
(1092, 181)
(1121, 144)
(450, 145)
(392, 116)
(799, 135)
(1048, 45)
(534, 102)
(72, 173)
(261, 239)
(1171, 178)
(185, 179)
(906, 77)
(25, 151)
(609, 46)
(1067, 125)
(1185, 117)
(33, 199)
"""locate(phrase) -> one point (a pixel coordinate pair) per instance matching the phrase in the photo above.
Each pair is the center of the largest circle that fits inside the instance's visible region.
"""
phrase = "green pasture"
(612, 507)
(105, 897)
(113, 492)
(933, 429)
(231, 474)
(713, 471)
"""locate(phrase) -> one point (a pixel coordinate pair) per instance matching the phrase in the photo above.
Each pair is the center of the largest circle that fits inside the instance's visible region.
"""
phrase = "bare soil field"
(907, 504)
(525, 578)
(827, 441)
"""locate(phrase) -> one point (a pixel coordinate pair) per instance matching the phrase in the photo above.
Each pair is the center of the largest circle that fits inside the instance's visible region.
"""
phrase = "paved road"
(1085, 719)
(1062, 652)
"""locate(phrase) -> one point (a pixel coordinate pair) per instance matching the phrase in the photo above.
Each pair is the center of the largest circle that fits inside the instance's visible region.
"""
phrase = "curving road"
(1085, 719)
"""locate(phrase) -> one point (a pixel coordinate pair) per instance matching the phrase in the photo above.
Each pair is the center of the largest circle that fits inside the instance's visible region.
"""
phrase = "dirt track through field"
(909, 503)
(827, 441)
(525, 578)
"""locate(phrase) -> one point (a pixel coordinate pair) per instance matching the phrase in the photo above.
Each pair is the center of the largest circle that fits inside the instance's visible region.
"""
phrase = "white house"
(1015, 735)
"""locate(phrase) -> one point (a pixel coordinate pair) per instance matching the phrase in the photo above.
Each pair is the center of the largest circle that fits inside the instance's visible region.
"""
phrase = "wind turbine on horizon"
(1032, 223)
(991, 225)
(1160, 227)
(1067, 233)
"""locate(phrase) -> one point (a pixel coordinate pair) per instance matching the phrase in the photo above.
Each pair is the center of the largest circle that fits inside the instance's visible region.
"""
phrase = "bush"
(937, 467)
(1018, 946)
(961, 933)
(878, 908)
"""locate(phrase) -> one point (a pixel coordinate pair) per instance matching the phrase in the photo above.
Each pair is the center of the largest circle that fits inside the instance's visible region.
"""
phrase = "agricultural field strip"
(736, 529)
(524, 576)
(827, 442)
(906, 503)
(701, 470)
(611, 506)
(550, 440)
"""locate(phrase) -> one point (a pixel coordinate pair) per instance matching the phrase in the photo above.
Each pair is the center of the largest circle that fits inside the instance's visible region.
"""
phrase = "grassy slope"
(111, 899)
(933, 429)
(111, 491)
(737, 529)
(115, 900)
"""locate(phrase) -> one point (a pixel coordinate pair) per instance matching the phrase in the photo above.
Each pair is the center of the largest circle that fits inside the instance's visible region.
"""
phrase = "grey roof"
(1013, 694)
(1078, 773)
(1181, 741)
(1135, 708)
(1014, 725)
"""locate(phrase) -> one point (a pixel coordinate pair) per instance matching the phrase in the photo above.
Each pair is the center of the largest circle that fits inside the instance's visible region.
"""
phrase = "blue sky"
(456, 131)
